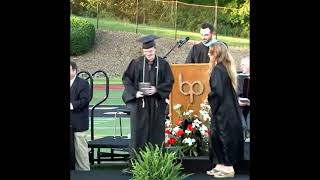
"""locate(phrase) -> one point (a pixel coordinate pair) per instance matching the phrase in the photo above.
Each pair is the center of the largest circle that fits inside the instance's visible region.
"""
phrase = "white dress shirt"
(71, 82)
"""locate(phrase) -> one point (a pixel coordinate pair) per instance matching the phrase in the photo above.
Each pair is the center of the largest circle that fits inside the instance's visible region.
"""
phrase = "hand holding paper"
(139, 94)
(151, 91)
(244, 102)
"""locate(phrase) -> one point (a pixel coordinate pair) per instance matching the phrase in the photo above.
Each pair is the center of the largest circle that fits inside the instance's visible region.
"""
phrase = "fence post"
(215, 18)
(175, 24)
(97, 14)
(137, 15)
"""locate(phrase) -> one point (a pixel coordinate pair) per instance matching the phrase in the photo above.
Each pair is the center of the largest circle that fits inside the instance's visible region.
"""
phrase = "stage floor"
(113, 171)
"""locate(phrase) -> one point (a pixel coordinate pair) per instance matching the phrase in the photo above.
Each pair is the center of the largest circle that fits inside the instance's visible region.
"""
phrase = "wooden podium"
(190, 88)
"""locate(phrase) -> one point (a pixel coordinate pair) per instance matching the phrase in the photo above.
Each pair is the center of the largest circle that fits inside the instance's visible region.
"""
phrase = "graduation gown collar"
(157, 67)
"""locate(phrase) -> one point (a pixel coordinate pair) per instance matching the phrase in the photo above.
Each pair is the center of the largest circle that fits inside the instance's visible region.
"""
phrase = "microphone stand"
(178, 43)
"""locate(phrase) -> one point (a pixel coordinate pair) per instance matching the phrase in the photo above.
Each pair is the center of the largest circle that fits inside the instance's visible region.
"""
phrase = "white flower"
(194, 124)
(175, 129)
(190, 111)
(197, 121)
(187, 131)
(189, 141)
(168, 123)
(205, 107)
(187, 113)
(177, 106)
(206, 117)
(203, 129)
(166, 138)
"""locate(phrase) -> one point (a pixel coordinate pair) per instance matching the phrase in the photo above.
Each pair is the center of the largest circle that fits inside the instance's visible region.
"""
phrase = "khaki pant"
(81, 151)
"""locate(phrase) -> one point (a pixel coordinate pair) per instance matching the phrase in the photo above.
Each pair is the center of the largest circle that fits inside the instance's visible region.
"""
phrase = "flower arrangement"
(191, 132)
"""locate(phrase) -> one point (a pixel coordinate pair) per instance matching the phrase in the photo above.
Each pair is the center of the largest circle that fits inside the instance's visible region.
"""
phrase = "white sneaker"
(212, 172)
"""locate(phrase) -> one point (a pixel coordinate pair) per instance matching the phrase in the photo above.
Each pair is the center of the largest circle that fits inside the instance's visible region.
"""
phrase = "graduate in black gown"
(226, 138)
(244, 94)
(199, 52)
(147, 105)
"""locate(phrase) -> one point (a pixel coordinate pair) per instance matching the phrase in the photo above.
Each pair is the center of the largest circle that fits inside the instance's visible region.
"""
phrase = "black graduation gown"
(147, 124)
(226, 142)
(243, 86)
(244, 92)
(198, 54)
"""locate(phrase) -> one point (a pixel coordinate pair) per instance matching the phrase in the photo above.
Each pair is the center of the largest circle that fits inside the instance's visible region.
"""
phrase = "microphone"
(183, 41)
(179, 44)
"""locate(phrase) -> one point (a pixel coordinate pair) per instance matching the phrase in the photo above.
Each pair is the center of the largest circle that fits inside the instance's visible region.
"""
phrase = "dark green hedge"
(82, 36)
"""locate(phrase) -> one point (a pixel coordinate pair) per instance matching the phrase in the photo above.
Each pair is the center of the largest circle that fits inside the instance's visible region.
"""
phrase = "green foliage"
(163, 14)
(154, 163)
(116, 25)
(191, 18)
(82, 36)
(240, 17)
(89, 7)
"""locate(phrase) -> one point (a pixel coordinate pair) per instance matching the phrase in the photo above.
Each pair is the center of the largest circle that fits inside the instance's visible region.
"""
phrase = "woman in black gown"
(226, 139)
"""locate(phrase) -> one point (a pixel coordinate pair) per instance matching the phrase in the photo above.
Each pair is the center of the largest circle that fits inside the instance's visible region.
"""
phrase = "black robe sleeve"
(164, 87)
(216, 85)
(130, 91)
(190, 57)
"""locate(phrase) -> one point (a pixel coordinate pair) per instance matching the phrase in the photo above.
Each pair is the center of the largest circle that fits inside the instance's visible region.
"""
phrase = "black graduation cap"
(148, 41)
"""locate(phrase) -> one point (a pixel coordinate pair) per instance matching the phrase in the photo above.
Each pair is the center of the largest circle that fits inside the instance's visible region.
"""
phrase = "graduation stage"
(113, 171)
(109, 166)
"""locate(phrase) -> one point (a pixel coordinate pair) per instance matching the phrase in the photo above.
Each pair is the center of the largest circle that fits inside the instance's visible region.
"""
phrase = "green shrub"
(82, 36)
(154, 163)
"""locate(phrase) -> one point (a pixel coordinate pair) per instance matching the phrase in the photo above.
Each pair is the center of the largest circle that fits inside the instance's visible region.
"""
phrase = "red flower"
(167, 131)
(179, 133)
(180, 122)
(172, 140)
(189, 127)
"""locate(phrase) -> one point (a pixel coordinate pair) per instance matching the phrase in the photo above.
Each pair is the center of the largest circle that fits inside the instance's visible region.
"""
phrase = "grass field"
(114, 97)
(164, 32)
(106, 127)
(102, 80)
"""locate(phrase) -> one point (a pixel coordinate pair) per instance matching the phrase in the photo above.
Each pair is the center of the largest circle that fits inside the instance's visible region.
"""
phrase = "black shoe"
(127, 171)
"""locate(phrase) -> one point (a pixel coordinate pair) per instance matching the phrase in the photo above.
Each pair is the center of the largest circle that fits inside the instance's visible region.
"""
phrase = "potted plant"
(154, 163)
